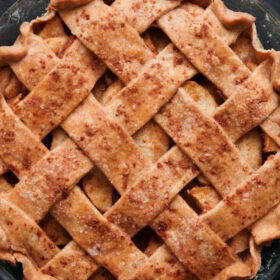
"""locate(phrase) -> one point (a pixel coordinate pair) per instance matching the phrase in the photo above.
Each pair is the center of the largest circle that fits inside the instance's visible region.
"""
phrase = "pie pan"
(268, 26)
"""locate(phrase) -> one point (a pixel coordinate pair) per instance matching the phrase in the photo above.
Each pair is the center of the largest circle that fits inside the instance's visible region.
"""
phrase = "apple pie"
(139, 140)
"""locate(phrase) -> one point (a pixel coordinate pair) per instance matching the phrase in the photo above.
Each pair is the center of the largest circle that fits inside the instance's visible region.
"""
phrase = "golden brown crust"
(240, 269)
(204, 141)
(120, 160)
(163, 265)
(102, 31)
(149, 10)
(24, 234)
(18, 50)
(214, 59)
(104, 136)
(13, 135)
(206, 248)
(242, 111)
(270, 126)
(248, 202)
(45, 101)
(135, 104)
(268, 227)
(103, 241)
(145, 199)
(70, 263)
(50, 179)
(231, 19)
(66, 4)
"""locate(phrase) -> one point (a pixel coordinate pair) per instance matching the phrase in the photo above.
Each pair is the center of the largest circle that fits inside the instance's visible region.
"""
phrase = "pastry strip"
(26, 200)
(103, 241)
(103, 32)
(271, 125)
(49, 179)
(205, 50)
(42, 109)
(13, 139)
(248, 202)
(194, 243)
(163, 265)
(93, 128)
(267, 228)
(24, 234)
(36, 64)
(204, 141)
(250, 105)
(35, 196)
(71, 256)
(145, 199)
(135, 104)
(141, 14)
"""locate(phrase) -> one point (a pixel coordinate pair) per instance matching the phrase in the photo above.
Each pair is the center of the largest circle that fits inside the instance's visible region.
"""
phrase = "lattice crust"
(61, 71)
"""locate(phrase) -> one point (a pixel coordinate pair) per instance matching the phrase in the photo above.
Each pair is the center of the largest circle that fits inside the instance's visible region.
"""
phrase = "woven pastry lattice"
(165, 102)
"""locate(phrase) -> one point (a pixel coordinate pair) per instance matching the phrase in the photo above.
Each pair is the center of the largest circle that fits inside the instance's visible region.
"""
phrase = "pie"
(139, 140)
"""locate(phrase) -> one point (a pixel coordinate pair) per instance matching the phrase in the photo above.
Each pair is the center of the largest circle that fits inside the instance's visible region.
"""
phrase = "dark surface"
(275, 5)
(267, 26)
(5, 4)
(19, 11)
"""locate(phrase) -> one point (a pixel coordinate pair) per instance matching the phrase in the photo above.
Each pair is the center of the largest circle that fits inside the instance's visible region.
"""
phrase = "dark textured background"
(274, 4)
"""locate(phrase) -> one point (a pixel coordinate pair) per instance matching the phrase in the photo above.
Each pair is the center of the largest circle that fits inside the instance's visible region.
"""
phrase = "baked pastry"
(162, 101)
